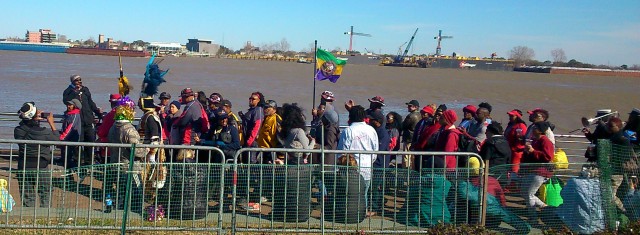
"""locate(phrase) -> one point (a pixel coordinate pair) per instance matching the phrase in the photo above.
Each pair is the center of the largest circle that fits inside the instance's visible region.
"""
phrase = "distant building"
(42, 36)
(162, 48)
(33, 36)
(47, 36)
(203, 46)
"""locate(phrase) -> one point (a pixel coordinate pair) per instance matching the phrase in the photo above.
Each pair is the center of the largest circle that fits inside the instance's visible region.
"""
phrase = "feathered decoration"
(123, 82)
(153, 77)
(125, 109)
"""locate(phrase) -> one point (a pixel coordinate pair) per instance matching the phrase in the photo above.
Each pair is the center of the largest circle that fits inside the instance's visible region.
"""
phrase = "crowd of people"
(194, 118)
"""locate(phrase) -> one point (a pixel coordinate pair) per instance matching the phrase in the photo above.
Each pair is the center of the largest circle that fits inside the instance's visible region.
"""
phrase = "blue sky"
(598, 32)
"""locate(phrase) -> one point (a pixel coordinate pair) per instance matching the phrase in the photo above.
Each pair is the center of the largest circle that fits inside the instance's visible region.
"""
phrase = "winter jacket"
(190, 122)
(123, 132)
(496, 149)
(88, 106)
(515, 133)
(409, 125)
(424, 143)
(360, 136)
(37, 156)
(226, 138)
(394, 139)
(420, 126)
(543, 152)
(71, 126)
(107, 122)
(448, 142)
(252, 121)
(382, 160)
(267, 135)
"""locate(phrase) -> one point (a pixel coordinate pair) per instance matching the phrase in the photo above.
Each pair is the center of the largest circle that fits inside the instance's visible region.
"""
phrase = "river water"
(41, 77)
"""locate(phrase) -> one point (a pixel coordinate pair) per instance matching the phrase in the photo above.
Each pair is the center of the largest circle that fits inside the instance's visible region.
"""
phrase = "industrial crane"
(400, 58)
(351, 33)
(439, 38)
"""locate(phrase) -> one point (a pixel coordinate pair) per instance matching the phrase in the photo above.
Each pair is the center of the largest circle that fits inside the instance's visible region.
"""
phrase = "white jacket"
(360, 136)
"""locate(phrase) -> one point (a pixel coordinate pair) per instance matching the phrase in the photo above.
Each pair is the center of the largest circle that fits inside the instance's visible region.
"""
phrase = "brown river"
(41, 77)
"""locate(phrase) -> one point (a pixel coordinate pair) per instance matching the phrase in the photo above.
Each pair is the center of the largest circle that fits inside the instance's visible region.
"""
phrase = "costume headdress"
(125, 109)
(153, 77)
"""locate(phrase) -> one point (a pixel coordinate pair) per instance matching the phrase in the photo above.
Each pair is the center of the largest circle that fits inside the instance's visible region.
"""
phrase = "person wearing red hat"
(375, 108)
(447, 141)
(193, 121)
(515, 136)
(108, 120)
(469, 112)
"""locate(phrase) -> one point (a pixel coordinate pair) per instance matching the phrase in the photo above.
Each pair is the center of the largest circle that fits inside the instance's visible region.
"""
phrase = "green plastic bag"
(552, 192)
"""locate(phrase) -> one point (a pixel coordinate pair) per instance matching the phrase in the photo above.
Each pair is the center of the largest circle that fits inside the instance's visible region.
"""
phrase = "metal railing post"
(127, 199)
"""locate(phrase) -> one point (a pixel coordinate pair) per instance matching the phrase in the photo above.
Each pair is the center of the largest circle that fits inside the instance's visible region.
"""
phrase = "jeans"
(32, 181)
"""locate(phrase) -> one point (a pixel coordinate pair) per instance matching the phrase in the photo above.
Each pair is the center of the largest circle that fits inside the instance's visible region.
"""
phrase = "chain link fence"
(75, 186)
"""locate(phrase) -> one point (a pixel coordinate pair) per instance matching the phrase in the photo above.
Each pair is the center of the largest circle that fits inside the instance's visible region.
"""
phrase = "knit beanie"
(450, 116)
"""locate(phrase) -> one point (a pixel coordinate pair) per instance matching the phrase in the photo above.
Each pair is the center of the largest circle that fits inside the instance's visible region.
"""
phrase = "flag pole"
(315, 68)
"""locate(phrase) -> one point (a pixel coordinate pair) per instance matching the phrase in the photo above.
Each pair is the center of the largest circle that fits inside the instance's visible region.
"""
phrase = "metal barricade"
(301, 197)
(125, 191)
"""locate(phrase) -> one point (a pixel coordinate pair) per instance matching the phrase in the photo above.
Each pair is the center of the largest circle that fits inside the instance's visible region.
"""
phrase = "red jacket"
(426, 134)
(448, 142)
(107, 122)
(543, 152)
(516, 144)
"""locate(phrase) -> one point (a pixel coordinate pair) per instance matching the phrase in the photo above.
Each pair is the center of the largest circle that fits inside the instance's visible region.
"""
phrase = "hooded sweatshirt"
(71, 126)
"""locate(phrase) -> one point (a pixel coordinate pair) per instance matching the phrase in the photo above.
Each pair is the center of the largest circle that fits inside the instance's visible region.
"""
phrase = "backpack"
(466, 145)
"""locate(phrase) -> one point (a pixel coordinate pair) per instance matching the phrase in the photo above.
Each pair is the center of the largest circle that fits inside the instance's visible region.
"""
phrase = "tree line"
(523, 56)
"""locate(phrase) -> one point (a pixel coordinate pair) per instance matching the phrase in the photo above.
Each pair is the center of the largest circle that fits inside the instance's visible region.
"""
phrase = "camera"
(45, 115)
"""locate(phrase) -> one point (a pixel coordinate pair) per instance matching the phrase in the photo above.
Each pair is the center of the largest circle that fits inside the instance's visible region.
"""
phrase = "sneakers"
(251, 206)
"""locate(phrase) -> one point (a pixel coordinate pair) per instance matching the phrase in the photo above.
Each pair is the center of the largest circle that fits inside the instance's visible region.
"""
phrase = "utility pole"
(439, 38)
(351, 33)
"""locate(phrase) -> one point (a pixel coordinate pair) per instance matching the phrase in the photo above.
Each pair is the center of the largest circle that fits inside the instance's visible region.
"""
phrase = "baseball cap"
(328, 95)
(114, 97)
(427, 109)
(414, 103)
(515, 112)
(186, 92)
(226, 103)
(376, 116)
(220, 114)
(534, 110)
(270, 104)
(635, 111)
(165, 95)
(377, 99)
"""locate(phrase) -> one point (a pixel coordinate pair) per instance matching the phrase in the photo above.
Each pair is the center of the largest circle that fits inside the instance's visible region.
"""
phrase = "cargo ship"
(36, 47)
(108, 52)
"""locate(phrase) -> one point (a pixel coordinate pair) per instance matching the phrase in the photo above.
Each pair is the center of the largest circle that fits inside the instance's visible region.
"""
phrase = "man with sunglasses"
(77, 91)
